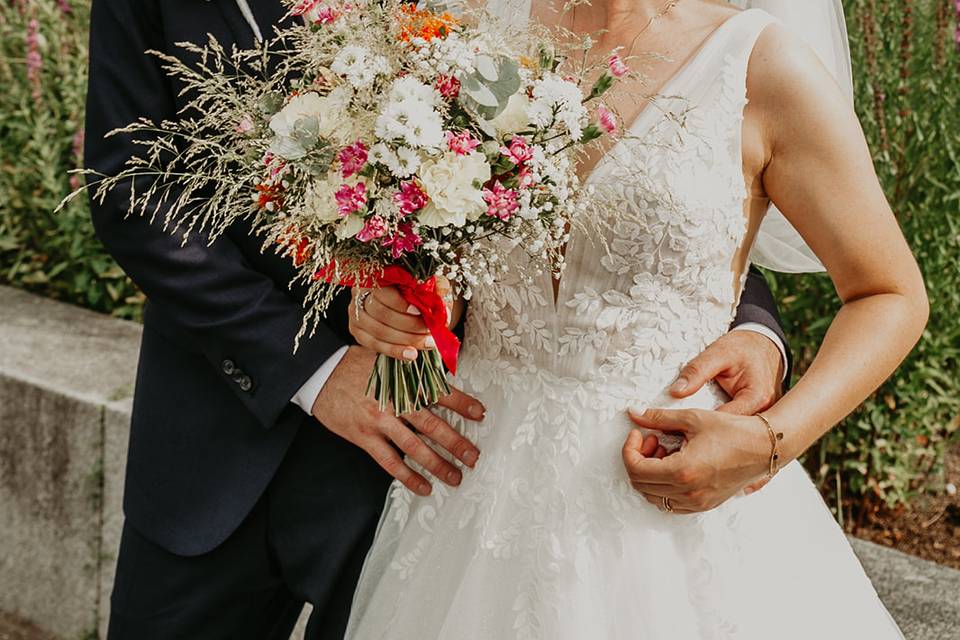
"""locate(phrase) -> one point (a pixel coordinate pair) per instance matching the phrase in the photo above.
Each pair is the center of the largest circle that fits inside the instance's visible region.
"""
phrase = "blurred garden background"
(889, 472)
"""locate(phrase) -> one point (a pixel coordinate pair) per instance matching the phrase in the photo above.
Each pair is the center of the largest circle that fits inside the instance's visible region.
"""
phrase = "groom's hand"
(747, 365)
(343, 408)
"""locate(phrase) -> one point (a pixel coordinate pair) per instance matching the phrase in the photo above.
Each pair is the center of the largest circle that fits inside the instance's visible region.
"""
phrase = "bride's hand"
(723, 454)
(386, 323)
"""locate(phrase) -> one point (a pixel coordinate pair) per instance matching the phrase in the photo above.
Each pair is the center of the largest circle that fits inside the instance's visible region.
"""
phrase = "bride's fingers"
(391, 297)
(657, 501)
(389, 334)
(397, 351)
(673, 493)
(392, 318)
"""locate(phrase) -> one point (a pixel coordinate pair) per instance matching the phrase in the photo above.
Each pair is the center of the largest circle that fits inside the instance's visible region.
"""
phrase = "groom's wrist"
(306, 395)
(768, 333)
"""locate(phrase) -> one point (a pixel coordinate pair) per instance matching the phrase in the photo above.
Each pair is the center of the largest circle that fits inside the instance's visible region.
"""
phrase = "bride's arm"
(817, 169)
(821, 176)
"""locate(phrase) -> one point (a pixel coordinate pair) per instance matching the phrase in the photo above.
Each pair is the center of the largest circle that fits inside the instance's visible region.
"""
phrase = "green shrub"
(908, 97)
(908, 94)
(43, 47)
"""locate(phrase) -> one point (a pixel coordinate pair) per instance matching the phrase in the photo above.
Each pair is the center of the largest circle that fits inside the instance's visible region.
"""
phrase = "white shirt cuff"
(308, 393)
(764, 330)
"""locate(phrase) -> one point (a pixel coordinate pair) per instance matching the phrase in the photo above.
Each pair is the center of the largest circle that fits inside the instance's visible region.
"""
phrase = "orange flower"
(421, 23)
(297, 247)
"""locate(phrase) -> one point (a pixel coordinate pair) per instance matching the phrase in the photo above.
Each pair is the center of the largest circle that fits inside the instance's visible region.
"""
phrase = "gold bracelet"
(775, 438)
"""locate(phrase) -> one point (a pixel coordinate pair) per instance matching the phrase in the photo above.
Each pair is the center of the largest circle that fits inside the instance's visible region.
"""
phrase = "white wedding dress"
(546, 539)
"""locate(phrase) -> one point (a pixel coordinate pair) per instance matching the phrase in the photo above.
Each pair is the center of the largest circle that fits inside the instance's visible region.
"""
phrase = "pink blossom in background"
(410, 198)
(352, 158)
(501, 202)
(461, 143)
(372, 229)
(403, 241)
(518, 151)
(448, 86)
(351, 199)
(608, 122)
(304, 6)
(957, 34)
(618, 68)
(64, 6)
(75, 180)
(34, 60)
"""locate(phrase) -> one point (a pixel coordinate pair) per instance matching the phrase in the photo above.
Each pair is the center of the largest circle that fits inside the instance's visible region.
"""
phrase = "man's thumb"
(697, 373)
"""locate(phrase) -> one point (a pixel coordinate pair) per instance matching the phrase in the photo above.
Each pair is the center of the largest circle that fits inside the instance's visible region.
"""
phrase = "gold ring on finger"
(665, 501)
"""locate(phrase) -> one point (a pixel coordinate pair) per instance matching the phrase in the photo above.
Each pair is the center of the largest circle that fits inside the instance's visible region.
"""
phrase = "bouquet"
(376, 143)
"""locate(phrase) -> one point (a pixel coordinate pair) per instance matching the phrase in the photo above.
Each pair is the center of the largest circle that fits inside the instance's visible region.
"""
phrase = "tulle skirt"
(547, 540)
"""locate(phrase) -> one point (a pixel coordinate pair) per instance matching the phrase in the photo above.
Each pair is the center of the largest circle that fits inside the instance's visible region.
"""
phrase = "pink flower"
(501, 202)
(518, 151)
(245, 125)
(304, 7)
(372, 229)
(618, 68)
(315, 11)
(525, 177)
(410, 198)
(352, 158)
(403, 241)
(608, 122)
(34, 60)
(326, 15)
(351, 199)
(448, 86)
(461, 143)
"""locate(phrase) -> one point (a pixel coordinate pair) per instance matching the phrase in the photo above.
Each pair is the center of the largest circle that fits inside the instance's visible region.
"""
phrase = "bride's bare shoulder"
(787, 82)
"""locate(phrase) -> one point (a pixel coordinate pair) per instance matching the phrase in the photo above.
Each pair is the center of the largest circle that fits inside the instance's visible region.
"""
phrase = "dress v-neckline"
(556, 285)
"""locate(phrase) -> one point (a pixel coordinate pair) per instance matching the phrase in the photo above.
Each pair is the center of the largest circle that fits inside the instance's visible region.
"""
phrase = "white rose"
(514, 117)
(453, 183)
(319, 201)
(325, 111)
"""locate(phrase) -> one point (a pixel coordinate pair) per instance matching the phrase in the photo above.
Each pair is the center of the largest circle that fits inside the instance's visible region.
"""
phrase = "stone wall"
(66, 376)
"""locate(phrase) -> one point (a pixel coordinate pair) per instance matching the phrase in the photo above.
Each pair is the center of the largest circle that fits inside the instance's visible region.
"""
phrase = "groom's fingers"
(467, 406)
(387, 457)
(439, 431)
(411, 444)
(699, 371)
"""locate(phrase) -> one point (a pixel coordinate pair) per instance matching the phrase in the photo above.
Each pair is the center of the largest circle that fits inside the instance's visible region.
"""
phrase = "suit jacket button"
(245, 383)
(228, 367)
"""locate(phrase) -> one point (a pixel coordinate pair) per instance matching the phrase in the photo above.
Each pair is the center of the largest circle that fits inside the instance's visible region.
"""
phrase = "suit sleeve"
(758, 306)
(206, 296)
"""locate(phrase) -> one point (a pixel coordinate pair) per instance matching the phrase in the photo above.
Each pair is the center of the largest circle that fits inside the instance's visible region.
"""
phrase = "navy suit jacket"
(212, 417)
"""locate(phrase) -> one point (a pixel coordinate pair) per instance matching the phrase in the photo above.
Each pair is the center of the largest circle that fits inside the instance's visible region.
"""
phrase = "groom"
(255, 475)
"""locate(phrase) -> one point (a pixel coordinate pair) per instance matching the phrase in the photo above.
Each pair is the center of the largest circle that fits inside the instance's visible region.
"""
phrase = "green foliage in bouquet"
(907, 76)
(43, 50)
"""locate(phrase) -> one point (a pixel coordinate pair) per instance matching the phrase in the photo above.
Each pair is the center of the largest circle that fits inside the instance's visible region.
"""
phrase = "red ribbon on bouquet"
(421, 294)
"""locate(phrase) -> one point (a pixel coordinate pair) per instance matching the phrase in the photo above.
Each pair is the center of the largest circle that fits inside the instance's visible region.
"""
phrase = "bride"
(601, 507)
